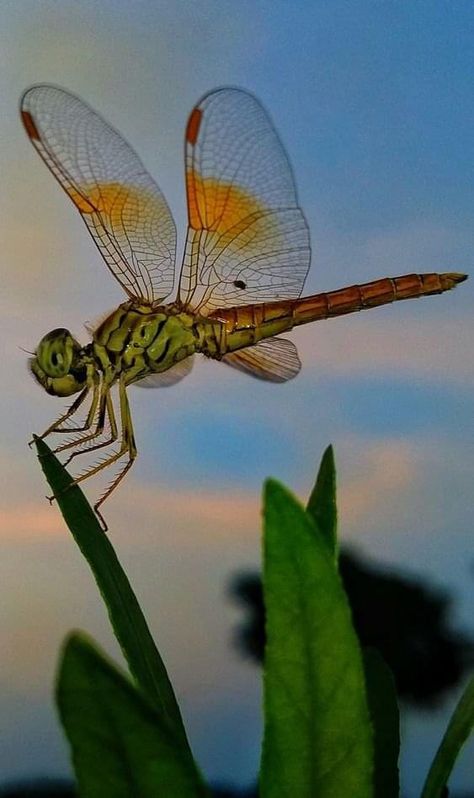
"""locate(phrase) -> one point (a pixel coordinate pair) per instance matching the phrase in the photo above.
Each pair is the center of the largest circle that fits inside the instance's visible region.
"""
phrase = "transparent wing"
(123, 208)
(274, 359)
(248, 240)
(171, 376)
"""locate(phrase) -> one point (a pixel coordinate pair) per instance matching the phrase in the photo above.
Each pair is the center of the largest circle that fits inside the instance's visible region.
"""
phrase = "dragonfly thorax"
(135, 341)
(60, 363)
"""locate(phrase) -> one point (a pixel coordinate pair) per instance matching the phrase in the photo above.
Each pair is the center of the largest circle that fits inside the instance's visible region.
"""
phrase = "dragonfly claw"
(34, 441)
(52, 499)
(101, 518)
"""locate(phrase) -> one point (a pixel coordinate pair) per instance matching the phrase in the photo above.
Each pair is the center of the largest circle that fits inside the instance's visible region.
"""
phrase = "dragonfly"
(245, 261)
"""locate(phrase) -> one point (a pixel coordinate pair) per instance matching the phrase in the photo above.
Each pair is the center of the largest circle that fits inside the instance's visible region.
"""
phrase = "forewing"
(248, 240)
(123, 208)
(273, 359)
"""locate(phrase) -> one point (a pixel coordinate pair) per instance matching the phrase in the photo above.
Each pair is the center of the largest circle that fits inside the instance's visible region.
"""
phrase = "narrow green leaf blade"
(459, 728)
(121, 747)
(128, 622)
(383, 708)
(318, 736)
(322, 502)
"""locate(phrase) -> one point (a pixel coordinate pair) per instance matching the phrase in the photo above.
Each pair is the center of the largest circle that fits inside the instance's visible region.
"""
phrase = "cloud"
(33, 521)
(377, 345)
(180, 517)
(191, 519)
(381, 477)
(429, 338)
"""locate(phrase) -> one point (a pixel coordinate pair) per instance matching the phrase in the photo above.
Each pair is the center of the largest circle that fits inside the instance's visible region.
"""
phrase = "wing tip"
(27, 102)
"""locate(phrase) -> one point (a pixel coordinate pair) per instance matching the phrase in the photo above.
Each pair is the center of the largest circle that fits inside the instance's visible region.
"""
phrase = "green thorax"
(137, 340)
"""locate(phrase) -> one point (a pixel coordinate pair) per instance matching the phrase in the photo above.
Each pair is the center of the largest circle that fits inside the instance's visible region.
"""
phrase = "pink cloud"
(180, 515)
(194, 517)
(382, 476)
(35, 520)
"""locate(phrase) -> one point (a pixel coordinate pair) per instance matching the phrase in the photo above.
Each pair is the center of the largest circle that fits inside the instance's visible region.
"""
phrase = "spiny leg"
(113, 432)
(100, 399)
(55, 426)
(86, 426)
(128, 442)
(111, 488)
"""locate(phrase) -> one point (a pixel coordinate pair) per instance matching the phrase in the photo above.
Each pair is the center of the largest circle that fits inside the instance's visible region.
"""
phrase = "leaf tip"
(328, 455)
(76, 640)
(271, 487)
(42, 448)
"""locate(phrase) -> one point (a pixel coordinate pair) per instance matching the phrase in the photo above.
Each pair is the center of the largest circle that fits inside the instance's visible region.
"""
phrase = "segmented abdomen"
(245, 325)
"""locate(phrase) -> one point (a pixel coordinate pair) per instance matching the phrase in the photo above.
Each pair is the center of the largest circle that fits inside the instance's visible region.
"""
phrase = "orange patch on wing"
(30, 126)
(220, 207)
(111, 199)
(80, 201)
(194, 123)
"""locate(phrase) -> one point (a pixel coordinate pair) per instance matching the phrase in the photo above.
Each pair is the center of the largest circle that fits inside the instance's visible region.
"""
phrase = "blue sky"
(374, 103)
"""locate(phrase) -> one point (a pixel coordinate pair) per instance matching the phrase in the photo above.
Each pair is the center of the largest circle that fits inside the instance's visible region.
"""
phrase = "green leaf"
(121, 746)
(383, 708)
(128, 622)
(318, 736)
(459, 728)
(322, 502)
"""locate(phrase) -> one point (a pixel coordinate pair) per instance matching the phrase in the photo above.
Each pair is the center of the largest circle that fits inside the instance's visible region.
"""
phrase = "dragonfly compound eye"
(57, 365)
(55, 353)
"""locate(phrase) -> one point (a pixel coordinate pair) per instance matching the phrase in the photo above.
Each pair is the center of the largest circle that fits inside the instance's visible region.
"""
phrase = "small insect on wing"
(248, 241)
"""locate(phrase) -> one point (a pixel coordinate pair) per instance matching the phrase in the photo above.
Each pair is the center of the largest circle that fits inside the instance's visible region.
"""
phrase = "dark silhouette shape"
(39, 788)
(46, 788)
(406, 619)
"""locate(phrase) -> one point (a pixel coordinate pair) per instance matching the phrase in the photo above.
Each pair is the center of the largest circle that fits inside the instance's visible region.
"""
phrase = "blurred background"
(374, 103)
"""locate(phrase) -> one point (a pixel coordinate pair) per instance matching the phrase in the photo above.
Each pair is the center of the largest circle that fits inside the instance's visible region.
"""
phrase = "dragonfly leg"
(84, 427)
(102, 399)
(111, 488)
(127, 445)
(56, 426)
(110, 440)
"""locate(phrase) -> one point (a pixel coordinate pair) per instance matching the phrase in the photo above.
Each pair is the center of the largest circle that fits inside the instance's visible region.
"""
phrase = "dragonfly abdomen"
(246, 325)
(370, 295)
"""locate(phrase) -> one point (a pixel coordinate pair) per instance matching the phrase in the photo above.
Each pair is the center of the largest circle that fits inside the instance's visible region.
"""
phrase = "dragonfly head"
(58, 364)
